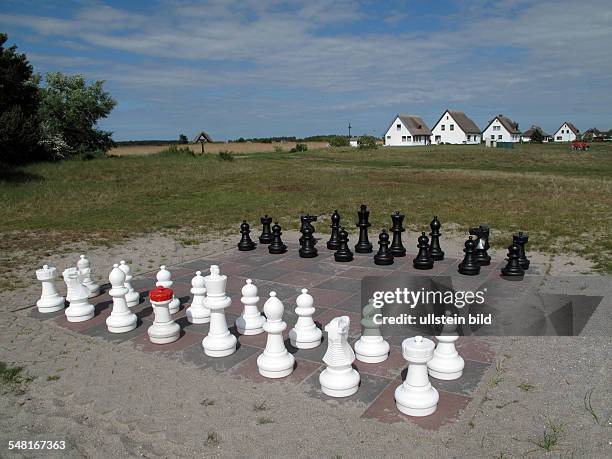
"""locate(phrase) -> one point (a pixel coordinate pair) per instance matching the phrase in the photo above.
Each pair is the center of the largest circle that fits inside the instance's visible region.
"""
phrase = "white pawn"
(305, 334)
(250, 321)
(416, 396)
(164, 330)
(371, 346)
(446, 363)
(85, 274)
(197, 313)
(50, 300)
(339, 379)
(275, 361)
(79, 309)
(164, 279)
(219, 342)
(121, 319)
(132, 297)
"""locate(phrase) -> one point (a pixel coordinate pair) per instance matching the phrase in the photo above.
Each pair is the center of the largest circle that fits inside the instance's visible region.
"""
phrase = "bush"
(299, 147)
(367, 142)
(339, 141)
(226, 156)
(278, 149)
(176, 150)
(183, 140)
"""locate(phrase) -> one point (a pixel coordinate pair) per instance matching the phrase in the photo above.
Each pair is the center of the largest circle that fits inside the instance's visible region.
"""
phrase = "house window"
(443, 127)
(409, 139)
(403, 138)
(398, 127)
(438, 138)
(499, 137)
(469, 137)
(496, 128)
(492, 136)
(452, 127)
(559, 137)
(388, 137)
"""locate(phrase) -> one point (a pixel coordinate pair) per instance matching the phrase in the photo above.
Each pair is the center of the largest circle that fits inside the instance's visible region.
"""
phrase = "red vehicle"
(582, 146)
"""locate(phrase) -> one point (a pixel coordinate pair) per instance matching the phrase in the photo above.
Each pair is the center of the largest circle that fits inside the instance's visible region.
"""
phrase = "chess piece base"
(80, 314)
(50, 305)
(121, 324)
(398, 252)
(468, 271)
(437, 256)
(337, 384)
(93, 293)
(383, 261)
(174, 305)
(277, 250)
(164, 334)
(246, 247)
(309, 254)
(275, 366)
(445, 376)
(422, 265)
(364, 249)
(371, 349)
(132, 299)
(343, 258)
(198, 316)
(417, 402)
(250, 327)
(219, 346)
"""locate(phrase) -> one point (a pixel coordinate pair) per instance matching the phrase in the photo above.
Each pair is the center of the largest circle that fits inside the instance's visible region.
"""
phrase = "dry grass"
(235, 147)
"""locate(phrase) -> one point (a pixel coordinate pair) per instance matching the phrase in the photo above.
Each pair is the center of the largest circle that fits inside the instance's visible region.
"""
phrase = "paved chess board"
(336, 291)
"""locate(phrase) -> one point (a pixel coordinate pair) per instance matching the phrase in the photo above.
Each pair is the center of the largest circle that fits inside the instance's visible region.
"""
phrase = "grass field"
(562, 198)
(235, 147)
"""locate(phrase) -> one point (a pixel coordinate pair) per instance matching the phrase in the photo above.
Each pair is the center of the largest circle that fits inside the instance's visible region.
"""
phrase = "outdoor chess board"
(336, 291)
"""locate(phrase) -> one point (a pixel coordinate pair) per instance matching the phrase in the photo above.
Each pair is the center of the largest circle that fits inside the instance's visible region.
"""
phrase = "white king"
(219, 342)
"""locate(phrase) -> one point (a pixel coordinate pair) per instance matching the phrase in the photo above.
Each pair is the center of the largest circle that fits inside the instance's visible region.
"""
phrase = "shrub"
(299, 147)
(367, 142)
(278, 149)
(176, 150)
(339, 141)
(226, 156)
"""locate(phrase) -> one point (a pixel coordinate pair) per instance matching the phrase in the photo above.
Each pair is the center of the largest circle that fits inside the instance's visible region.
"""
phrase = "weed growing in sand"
(207, 402)
(526, 386)
(260, 406)
(550, 437)
(12, 379)
(498, 375)
(213, 439)
(262, 421)
(589, 407)
(53, 377)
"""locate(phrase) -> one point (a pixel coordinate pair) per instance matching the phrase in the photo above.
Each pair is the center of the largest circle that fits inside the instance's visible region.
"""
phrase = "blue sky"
(269, 68)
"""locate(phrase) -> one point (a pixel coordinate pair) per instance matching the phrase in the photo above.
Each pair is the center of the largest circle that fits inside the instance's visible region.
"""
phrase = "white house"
(407, 130)
(502, 129)
(456, 128)
(566, 133)
(354, 142)
(526, 136)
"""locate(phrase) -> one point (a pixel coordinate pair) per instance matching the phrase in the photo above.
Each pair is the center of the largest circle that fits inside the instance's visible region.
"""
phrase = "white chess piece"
(305, 334)
(121, 319)
(250, 321)
(79, 309)
(132, 297)
(50, 300)
(85, 273)
(197, 313)
(416, 396)
(275, 361)
(164, 279)
(219, 342)
(339, 379)
(164, 330)
(371, 346)
(446, 363)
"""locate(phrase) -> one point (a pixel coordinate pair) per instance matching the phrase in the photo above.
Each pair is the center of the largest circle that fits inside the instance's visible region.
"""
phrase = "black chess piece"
(363, 244)
(266, 234)
(513, 268)
(245, 243)
(423, 260)
(482, 244)
(435, 251)
(521, 239)
(343, 253)
(469, 266)
(334, 240)
(306, 220)
(276, 246)
(307, 248)
(384, 255)
(397, 248)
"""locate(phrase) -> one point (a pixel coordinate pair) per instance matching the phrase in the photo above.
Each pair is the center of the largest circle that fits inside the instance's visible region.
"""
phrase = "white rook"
(164, 330)
(50, 300)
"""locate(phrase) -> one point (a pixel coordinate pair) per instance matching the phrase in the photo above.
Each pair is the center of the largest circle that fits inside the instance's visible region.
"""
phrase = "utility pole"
(349, 128)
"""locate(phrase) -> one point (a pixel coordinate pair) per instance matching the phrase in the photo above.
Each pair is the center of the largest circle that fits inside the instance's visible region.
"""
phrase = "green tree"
(339, 141)
(367, 142)
(19, 104)
(537, 136)
(183, 139)
(70, 110)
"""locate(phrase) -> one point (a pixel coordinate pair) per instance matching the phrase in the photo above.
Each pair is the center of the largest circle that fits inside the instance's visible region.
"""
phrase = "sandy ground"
(111, 400)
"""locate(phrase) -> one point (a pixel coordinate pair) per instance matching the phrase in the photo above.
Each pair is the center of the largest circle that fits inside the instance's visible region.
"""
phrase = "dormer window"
(398, 127)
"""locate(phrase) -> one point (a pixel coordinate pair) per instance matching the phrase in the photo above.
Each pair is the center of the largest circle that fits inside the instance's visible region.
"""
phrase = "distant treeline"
(312, 138)
(127, 143)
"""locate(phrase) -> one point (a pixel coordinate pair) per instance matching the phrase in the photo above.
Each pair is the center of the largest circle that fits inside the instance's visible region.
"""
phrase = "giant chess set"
(428, 359)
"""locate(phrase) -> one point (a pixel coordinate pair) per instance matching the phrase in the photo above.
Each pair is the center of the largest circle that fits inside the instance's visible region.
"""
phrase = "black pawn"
(423, 260)
(334, 240)
(434, 248)
(343, 253)
(521, 239)
(276, 246)
(266, 234)
(397, 249)
(363, 244)
(384, 256)
(513, 267)
(308, 249)
(482, 244)
(469, 266)
(245, 243)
